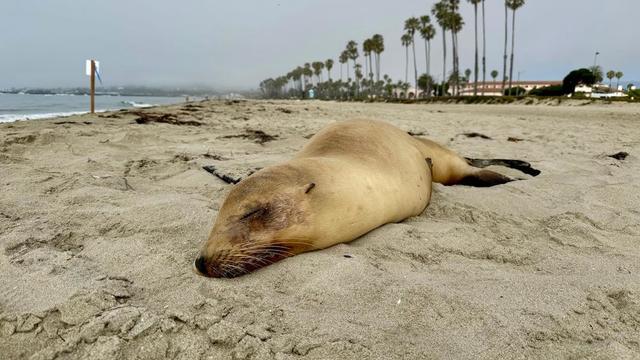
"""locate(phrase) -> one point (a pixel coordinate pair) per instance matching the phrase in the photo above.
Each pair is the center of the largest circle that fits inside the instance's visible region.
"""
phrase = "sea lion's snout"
(210, 268)
(231, 264)
(218, 266)
(201, 266)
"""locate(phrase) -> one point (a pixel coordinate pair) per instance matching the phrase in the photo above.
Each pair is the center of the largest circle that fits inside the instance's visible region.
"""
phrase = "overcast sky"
(237, 43)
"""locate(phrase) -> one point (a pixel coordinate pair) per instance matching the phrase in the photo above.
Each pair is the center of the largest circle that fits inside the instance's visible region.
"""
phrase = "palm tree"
(513, 5)
(378, 48)
(318, 66)
(428, 32)
(358, 71)
(329, 65)
(597, 73)
(440, 11)
(506, 36)
(467, 75)
(297, 74)
(610, 75)
(456, 23)
(352, 52)
(289, 79)
(342, 59)
(494, 75)
(388, 85)
(406, 41)
(412, 25)
(373, 61)
(306, 73)
(484, 51)
(619, 75)
(367, 50)
(475, 80)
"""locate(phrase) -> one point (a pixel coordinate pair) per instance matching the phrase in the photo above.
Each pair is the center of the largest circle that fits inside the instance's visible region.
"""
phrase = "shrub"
(576, 77)
(634, 93)
(553, 90)
(516, 91)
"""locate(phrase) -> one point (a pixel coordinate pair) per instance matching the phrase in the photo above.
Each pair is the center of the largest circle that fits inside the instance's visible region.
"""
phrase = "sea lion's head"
(264, 219)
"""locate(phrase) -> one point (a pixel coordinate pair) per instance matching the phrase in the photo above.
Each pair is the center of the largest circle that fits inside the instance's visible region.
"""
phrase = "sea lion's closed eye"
(253, 213)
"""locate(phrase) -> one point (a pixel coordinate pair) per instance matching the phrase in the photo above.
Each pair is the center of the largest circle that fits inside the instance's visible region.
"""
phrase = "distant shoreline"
(14, 107)
(132, 90)
(98, 93)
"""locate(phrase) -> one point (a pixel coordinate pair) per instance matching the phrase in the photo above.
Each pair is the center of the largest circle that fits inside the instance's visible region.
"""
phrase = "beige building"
(491, 88)
(494, 88)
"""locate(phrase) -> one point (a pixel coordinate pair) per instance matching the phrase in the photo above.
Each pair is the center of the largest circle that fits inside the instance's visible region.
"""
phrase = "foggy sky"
(236, 44)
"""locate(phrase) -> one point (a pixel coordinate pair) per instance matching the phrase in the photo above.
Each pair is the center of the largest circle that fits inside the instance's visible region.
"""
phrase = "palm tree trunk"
(355, 76)
(429, 68)
(484, 51)
(453, 60)
(475, 84)
(444, 59)
(366, 66)
(406, 65)
(457, 66)
(370, 74)
(377, 66)
(426, 56)
(506, 32)
(415, 69)
(513, 41)
(426, 63)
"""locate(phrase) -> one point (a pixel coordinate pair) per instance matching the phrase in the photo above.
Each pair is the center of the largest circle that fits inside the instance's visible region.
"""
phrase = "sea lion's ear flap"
(309, 187)
(430, 163)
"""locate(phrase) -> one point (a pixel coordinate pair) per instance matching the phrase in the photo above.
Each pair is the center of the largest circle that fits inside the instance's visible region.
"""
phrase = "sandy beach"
(101, 217)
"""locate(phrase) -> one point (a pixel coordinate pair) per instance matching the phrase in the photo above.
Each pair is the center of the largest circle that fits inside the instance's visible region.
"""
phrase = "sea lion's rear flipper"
(520, 165)
(484, 178)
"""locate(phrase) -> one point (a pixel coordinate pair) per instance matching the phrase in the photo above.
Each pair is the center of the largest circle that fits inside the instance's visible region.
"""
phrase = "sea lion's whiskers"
(265, 257)
(237, 270)
(250, 259)
(273, 249)
(289, 242)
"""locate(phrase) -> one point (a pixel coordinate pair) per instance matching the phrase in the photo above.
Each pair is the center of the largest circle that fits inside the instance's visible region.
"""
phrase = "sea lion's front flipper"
(430, 164)
(520, 165)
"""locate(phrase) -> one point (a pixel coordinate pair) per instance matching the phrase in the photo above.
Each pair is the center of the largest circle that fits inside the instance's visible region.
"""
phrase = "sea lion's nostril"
(201, 265)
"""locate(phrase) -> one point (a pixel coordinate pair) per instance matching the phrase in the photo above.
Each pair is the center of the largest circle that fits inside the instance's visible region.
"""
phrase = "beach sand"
(101, 218)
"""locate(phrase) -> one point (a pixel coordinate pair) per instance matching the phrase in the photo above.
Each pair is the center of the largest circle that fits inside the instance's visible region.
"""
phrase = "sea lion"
(349, 179)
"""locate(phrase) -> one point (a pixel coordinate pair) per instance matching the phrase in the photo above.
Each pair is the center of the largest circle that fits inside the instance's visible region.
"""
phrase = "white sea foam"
(18, 117)
(137, 104)
(14, 107)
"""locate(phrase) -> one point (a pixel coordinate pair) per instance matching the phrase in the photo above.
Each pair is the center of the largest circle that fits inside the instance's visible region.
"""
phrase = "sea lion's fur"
(349, 179)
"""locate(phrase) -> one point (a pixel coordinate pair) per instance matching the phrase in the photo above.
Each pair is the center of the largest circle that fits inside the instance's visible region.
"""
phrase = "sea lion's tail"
(450, 168)
(520, 165)
(484, 178)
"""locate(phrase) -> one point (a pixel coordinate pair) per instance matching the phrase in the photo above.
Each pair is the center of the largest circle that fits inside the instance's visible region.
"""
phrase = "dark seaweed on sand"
(147, 118)
(257, 136)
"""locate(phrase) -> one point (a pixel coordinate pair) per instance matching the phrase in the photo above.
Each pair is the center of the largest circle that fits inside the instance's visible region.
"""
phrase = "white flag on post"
(87, 67)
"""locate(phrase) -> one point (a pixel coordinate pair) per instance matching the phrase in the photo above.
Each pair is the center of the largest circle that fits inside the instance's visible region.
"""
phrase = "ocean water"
(15, 107)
